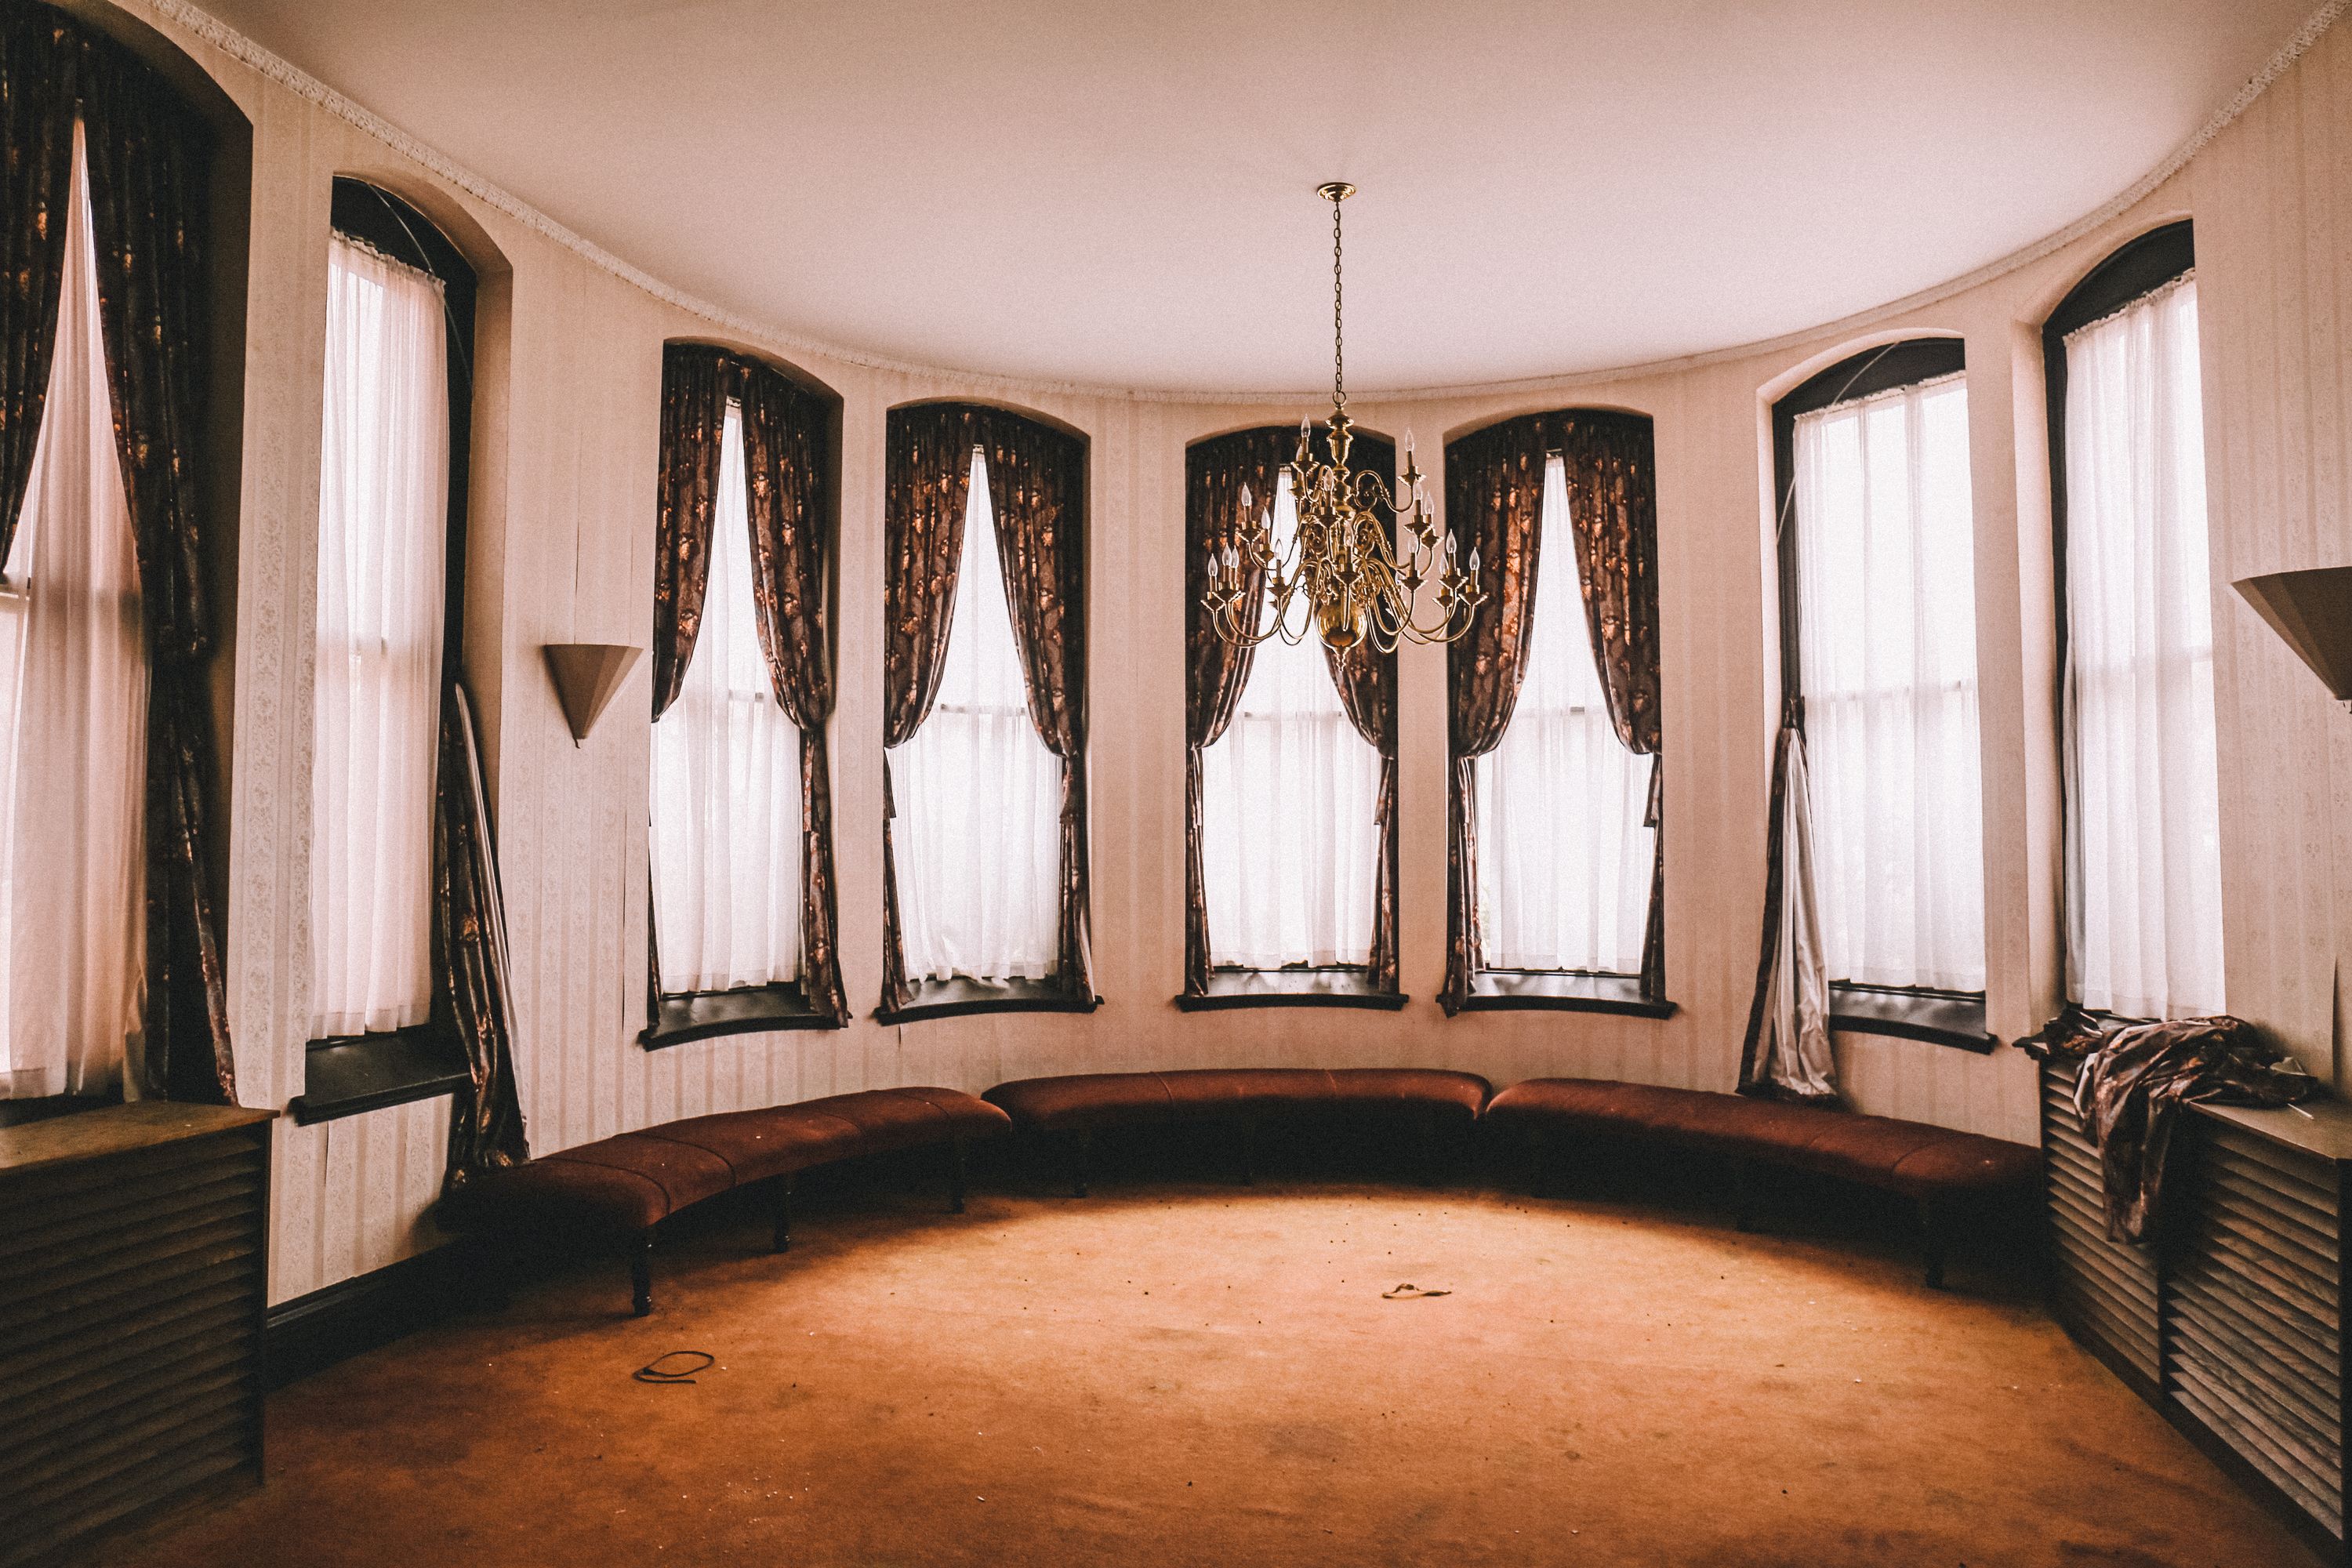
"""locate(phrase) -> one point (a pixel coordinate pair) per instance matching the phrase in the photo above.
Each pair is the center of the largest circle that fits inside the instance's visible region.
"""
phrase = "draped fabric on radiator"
(73, 719)
(2143, 813)
(148, 159)
(937, 921)
(780, 496)
(785, 439)
(469, 954)
(384, 528)
(1216, 473)
(1495, 490)
(1037, 486)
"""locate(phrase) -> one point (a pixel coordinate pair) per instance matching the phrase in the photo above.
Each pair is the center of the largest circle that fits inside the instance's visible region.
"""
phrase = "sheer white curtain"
(727, 783)
(1563, 857)
(383, 516)
(73, 729)
(1290, 847)
(2143, 810)
(1887, 639)
(978, 795)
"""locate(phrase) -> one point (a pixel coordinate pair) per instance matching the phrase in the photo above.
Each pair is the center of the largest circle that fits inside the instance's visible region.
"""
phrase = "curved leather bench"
(1930, 1165)
(1081, 1105)
(623, 1187)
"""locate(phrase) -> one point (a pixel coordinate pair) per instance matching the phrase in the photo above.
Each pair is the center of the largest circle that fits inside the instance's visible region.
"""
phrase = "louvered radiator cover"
(2233, 1322)
(133, 1253)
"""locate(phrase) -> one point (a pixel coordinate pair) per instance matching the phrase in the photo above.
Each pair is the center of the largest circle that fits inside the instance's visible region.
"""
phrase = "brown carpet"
(1176, 1375)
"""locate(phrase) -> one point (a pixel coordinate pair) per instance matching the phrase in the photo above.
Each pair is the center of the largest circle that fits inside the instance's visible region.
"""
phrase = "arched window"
(742, 802)
(984, 714)
(1291, 768)
(394, 445)
(116, 391)
(1557, 871)
(1879, 671)
(2143, 867)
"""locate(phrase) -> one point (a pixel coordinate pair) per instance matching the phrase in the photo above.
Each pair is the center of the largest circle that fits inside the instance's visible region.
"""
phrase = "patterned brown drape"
(1494, 481)
(694, 415)
(786, 435)
(1215, 670)
(928, 469)
(1036, 486)
(469, 954)
(150, 155)
(1367, 681)
(38, 103)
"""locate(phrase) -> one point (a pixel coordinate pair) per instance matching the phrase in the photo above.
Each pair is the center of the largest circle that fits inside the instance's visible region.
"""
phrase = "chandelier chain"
(1339, 339)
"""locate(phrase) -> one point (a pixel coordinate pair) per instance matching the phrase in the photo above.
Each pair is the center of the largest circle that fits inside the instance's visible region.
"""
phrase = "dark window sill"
(749, 1010)
(1291, 988)
(1561, 991)
(1939, 1018)
(963, 996)
(356, 1073)
(18, 1112)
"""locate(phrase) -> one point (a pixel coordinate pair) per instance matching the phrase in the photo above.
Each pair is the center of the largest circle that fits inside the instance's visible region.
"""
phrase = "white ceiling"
(1122, 194)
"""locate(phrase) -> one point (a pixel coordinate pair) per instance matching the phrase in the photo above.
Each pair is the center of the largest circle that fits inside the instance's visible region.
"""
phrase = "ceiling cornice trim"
(201, 23)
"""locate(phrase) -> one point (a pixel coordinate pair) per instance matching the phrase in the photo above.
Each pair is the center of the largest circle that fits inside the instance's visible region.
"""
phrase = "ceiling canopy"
(1123, 194)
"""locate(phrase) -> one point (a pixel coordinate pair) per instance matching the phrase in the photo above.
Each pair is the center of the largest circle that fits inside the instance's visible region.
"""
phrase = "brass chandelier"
(1342, 565)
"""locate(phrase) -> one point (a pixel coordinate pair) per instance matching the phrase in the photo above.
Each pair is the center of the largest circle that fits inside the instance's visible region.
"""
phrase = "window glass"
(726, 806)
(1564, 859)
(1289, 794)
(383, 500)
(977, 838)
(1886, 600)
(2143, 810)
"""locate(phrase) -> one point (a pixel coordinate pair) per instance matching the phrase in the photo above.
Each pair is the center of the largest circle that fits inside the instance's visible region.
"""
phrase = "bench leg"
(1931, 1241)
(1743, 1195)
(641, 1275)
(1082, 1158)
(956, 1168)
(784, 1239)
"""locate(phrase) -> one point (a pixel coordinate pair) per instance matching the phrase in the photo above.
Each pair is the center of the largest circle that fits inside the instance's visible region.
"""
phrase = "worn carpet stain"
(1187, 1375)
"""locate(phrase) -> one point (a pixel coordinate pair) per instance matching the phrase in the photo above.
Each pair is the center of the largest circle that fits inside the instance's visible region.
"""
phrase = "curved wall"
(561, 550)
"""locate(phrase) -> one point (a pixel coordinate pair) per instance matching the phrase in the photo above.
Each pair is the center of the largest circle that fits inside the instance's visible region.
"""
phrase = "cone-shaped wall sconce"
(2312, 611)
(586, 674)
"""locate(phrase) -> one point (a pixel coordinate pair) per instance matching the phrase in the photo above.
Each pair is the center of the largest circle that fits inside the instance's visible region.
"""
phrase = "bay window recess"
(2143, 867)
(978, 800)
(1291, 838)
(726, 809)
(1564, 849)
(1880, 669)
(392, 493)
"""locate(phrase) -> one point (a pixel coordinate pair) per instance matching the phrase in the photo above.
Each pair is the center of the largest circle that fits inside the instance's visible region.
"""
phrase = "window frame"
(2132, 270)
(1924, 1013)
(1233, 986)
(679, 1017)
(345, 1074)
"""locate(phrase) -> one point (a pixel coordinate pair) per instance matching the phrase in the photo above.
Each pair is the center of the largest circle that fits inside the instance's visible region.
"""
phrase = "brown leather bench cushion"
(1087, 1101)
(1906, 1157)
(633, 1182)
